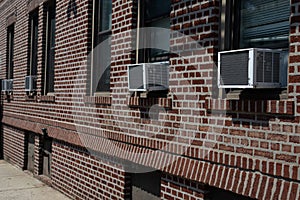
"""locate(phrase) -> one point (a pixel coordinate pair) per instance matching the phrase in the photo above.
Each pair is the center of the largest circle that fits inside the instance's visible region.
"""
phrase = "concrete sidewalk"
(17, 185)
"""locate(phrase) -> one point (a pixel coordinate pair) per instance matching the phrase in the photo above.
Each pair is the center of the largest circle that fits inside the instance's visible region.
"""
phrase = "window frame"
(144, 55)
(48, 83)
(99, 36)
(33, 43)
(230, 23)
(229, 37)
(10, 51)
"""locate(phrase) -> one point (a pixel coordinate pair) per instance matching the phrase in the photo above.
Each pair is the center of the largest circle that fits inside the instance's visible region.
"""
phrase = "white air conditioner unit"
(7, 85)
(30, 83)
(146, 77)
(252, 68)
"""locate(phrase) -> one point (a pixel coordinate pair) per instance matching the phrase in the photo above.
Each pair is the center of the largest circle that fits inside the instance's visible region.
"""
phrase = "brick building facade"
(87, 139)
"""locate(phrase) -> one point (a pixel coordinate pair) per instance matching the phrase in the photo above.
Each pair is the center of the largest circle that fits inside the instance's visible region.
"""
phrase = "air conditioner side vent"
(30, 83)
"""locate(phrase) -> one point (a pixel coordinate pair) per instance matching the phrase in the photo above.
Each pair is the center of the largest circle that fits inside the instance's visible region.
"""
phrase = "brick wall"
(13, 146)
(82, 176)
(179, 188)
(294, 61)
(255, 142)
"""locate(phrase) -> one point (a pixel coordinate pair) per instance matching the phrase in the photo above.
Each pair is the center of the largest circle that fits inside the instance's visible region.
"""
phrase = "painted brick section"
(13, 146)
(82, 176)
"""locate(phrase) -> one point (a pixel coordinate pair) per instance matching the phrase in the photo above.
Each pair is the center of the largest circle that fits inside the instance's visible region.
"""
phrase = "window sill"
(47, 98)
(148, 102)
(31, 98)
(102, 94)
(277, 107)
(257, 94)
(33, 4)
(98, 100)
(8, 97)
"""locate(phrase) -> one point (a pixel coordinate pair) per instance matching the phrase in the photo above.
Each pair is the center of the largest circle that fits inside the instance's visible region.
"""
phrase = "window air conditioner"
(30, 83)
(252, 68)
(7, 85)
(147, 77)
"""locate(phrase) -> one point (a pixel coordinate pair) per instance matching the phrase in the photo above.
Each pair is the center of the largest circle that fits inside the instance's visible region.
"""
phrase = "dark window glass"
(154, 10)
(102, 46)
(50, 53)
(105, 8)
(264, 23)
(257, 24)
(10, 52)
(33, 43)
(156, 14)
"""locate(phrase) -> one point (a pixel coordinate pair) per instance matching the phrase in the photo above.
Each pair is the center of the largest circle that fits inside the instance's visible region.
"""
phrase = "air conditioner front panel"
(136, 77)
(234, 68)
(27, 83)
(3, 85)
(30, 83)
(10, 83)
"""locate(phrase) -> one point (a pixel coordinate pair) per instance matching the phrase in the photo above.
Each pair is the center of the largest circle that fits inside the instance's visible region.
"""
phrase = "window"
(33, 43)
(255, 23)
(100, 72)
(50, 50)
(146, 185)
(154, 13)
(10, 52)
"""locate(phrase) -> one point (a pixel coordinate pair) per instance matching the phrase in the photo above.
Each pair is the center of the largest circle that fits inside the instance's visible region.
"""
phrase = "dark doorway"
(47, 156)
(219, 194)
(146, 186)
(29, 151)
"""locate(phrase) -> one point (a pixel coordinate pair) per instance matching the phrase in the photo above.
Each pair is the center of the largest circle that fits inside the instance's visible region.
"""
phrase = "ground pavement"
(18, 185)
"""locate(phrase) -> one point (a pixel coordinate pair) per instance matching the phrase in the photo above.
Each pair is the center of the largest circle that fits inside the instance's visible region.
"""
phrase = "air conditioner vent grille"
(7, 85)
(268, 66)
(136, 77)
(276, 68)
(234, 69)
(148, 76)
(30, 83)
(157, 75)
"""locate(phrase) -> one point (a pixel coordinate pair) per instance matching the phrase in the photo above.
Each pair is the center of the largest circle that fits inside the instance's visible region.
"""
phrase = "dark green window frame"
(49, 74)
(10, 51)
(33, 43)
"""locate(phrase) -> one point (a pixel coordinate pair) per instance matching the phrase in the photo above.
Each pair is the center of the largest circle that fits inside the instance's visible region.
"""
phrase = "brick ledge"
(198, 170)
(148, 102)
(97, 100)
(280, 107)
(31, 98)
(46, 98)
